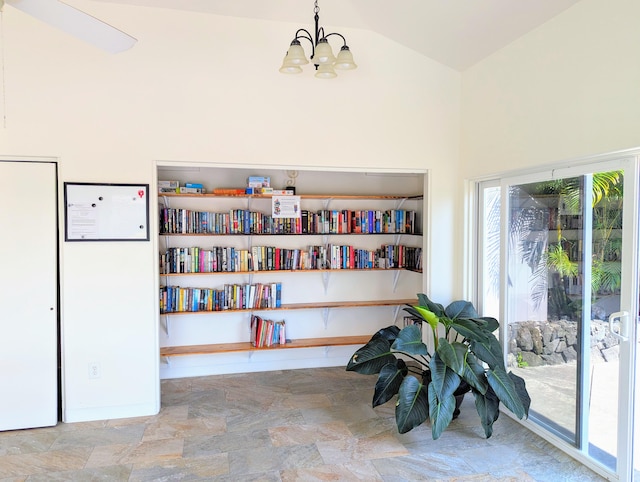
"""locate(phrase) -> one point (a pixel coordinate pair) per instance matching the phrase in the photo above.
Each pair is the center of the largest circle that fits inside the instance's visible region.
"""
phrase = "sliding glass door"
(568, 296)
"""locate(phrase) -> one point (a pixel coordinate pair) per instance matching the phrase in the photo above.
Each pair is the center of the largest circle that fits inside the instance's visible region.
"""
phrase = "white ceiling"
(457, 33)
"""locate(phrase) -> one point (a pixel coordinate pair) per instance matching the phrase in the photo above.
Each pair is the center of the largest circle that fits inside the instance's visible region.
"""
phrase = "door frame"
(631, 217)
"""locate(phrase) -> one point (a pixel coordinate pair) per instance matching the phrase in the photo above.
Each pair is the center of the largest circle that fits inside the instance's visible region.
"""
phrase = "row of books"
(240, 221)
(267, 258)
(175, 299)
(266, 333)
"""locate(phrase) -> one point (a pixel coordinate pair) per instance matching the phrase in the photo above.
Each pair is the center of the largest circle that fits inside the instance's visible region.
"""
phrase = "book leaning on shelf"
(265, 333)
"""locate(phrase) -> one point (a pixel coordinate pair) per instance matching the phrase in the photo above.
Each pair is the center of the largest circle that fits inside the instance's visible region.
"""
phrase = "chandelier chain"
(316, 9)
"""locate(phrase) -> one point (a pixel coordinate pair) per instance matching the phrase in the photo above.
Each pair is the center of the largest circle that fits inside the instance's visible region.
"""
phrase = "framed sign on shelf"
(106, 212)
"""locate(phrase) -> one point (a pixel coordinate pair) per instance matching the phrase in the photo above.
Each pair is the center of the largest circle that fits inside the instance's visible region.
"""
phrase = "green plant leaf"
(489, 351)
(488, 408)
(409, 341)
(389, 381)
(506, 392)
(471, 329)
(440, 411)
(370, 359)
(424, 314)
(490, 323)
(412, 408)
(460, 309)
(437, 308)
(521, 390)
(443, 379)
(453, 355)
(389, 333)
(474, 374)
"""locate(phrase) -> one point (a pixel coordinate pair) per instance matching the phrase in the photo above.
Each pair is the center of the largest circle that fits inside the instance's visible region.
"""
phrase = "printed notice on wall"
(285, 206)
(106, 212)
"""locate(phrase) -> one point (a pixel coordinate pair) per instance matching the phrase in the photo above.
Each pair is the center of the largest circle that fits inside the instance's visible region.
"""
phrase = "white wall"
(205, 88)
(569, 89)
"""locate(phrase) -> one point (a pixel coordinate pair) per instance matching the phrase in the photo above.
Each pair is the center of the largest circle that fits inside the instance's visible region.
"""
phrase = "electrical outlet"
(94, 370)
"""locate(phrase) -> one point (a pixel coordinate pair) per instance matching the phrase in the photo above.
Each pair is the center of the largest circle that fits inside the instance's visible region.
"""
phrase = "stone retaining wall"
(553, 342)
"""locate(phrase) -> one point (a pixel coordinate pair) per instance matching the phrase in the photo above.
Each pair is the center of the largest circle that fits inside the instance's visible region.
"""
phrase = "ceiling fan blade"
(76, 23)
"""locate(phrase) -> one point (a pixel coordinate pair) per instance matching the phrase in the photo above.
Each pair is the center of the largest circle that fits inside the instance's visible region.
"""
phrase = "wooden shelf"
(301, 196)
(308, 306)
(169, 351)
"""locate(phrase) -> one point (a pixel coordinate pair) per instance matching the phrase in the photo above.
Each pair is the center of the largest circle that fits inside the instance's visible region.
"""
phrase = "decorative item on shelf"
(321, 54)
(290, 185)
(168, 186)
(432, 384)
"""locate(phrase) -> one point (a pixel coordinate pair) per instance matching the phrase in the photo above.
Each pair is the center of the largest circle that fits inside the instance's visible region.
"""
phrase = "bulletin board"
(106, 212)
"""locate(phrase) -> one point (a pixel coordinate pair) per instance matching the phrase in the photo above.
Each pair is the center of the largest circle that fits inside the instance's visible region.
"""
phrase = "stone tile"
(167, 429)
(125, 434)
(112, 473)
(26, 441)
(308, 434)
(271, 476)
(43, 462)
(270, 459)
(366, 448)
(372, 426)
(244, 422)
(153, 452)
(424, 467)
(196, 468)
(228, 442)
(288, 402)
(177, 385)
(339, 413)
(497, 457)
(353, 471)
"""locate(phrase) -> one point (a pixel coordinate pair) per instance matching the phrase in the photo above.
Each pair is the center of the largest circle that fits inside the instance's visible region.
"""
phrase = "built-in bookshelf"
(341, 270)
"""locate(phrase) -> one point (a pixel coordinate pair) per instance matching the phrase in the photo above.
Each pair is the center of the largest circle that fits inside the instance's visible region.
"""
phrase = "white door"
(28, 295)
(567, 296)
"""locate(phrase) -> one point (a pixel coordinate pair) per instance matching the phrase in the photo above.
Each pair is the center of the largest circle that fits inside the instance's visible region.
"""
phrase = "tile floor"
(300, 425)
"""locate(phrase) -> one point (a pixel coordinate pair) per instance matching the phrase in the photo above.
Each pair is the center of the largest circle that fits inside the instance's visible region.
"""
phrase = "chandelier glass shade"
(326, 63)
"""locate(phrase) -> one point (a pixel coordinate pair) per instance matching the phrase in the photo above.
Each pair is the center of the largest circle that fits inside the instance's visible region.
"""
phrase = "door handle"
(619, 330)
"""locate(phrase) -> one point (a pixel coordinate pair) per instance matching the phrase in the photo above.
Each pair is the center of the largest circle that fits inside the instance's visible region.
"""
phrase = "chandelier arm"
(344, 40)
(308, 37)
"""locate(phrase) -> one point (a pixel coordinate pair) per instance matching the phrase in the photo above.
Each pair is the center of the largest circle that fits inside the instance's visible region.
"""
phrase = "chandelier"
(321, 54)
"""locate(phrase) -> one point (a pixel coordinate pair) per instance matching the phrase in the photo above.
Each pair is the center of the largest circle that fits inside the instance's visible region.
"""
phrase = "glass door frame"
(628, 162)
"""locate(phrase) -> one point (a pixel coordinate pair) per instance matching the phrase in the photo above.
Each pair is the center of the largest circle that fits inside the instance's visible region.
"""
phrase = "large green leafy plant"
(463, 356)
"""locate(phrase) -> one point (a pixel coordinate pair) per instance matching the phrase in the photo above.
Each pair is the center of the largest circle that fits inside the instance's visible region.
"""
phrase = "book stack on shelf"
(271, 258)
(244, 221)
(174, 299)
(266, 333)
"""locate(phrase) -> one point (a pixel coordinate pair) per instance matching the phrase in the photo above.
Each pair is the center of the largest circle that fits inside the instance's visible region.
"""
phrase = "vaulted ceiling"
(456, 33)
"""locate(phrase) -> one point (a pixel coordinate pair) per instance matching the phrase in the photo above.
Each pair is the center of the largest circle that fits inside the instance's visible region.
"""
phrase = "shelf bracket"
(396, 310)
(166, 360)
(166, 325)
(326, 202)
(400, 203)
(325, 280)
(396, 277)
(325, 317)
